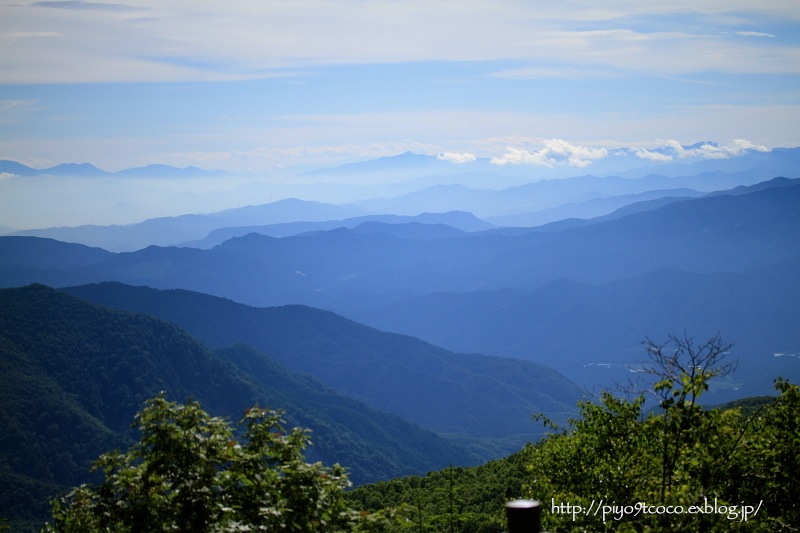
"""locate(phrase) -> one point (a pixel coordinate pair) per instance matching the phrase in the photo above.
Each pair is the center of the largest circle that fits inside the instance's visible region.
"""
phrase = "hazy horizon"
(262, 90)
(77, 196)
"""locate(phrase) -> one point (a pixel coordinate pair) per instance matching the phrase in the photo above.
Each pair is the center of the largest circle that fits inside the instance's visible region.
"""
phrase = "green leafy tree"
(770, 448)
(627, 469)
(711, 465)
(188, 472)
(683, 371)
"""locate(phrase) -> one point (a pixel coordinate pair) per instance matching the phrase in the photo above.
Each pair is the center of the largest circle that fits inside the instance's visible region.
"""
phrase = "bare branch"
(679, 362)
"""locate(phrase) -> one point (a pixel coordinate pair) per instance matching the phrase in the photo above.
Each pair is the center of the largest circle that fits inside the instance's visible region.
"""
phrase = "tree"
(189, 473)
(771, 443)
(683, 371)
(715, 469)
(724, 470)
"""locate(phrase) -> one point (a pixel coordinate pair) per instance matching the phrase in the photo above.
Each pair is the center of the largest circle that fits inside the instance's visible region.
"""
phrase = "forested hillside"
(618, 467)
(75, 373)
(471, 396)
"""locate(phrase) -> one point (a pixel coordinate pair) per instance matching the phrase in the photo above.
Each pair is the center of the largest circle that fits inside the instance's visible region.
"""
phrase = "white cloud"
(715, 151)
(644, 153)
(740, 146)
(458, 158)
(754, 34)
(14, 111)
(555, 152)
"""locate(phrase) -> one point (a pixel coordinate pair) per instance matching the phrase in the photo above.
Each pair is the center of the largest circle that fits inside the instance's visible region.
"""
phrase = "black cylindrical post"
(523, 516)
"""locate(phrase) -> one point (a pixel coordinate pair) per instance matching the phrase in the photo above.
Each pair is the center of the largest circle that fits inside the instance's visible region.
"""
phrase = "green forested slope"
(74, 374)
(617, 468)
(469, 395)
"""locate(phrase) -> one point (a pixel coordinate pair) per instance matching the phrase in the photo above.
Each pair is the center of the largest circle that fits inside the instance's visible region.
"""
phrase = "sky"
(254, 85)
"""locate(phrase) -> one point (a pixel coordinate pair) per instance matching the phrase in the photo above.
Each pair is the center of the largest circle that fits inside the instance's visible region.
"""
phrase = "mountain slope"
(19, 252)
(575, 327)
(25, 260)
(537, 197)
(588, 209)
(473, 396)
(460, 220)
(75, 373)
(169, 231)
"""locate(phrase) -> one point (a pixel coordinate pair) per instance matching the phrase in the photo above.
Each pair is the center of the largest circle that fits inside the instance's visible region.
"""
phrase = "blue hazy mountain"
(334, 268)
(349, 270)
(25, 253)
(16, 169)
(621, 162)
(75, 169)
(538, 202)
(594, 333)
(593, 208)
(468, 396)
(168, 231)
(78, 194)
(89, 170)
(165, 171)
(206, 231)
(404, 161)
(432, 185)
(456, 221)
(344, 269)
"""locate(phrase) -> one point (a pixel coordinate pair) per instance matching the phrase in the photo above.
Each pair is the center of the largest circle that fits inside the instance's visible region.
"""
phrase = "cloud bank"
(456, 158)
(555, 152)
(558, 152)
(707, 150)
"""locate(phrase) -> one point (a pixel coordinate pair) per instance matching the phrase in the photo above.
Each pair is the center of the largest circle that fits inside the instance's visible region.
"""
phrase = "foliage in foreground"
(617, 468)
(620, 467)
(189, 473)
(686, 469)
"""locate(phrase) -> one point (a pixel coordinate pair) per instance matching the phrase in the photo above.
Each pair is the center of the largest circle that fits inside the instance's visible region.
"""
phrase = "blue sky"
(249, 85)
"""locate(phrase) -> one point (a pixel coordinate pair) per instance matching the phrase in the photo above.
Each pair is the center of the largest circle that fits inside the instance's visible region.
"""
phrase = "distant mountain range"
(206, 231)
(681, 264)
(733, 232)
(625, 162)
(81, 195)
(621, 161)
(530, 205)
(89, 170)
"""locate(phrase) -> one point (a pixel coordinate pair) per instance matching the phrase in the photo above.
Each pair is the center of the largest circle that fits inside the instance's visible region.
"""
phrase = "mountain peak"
(74, 169)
